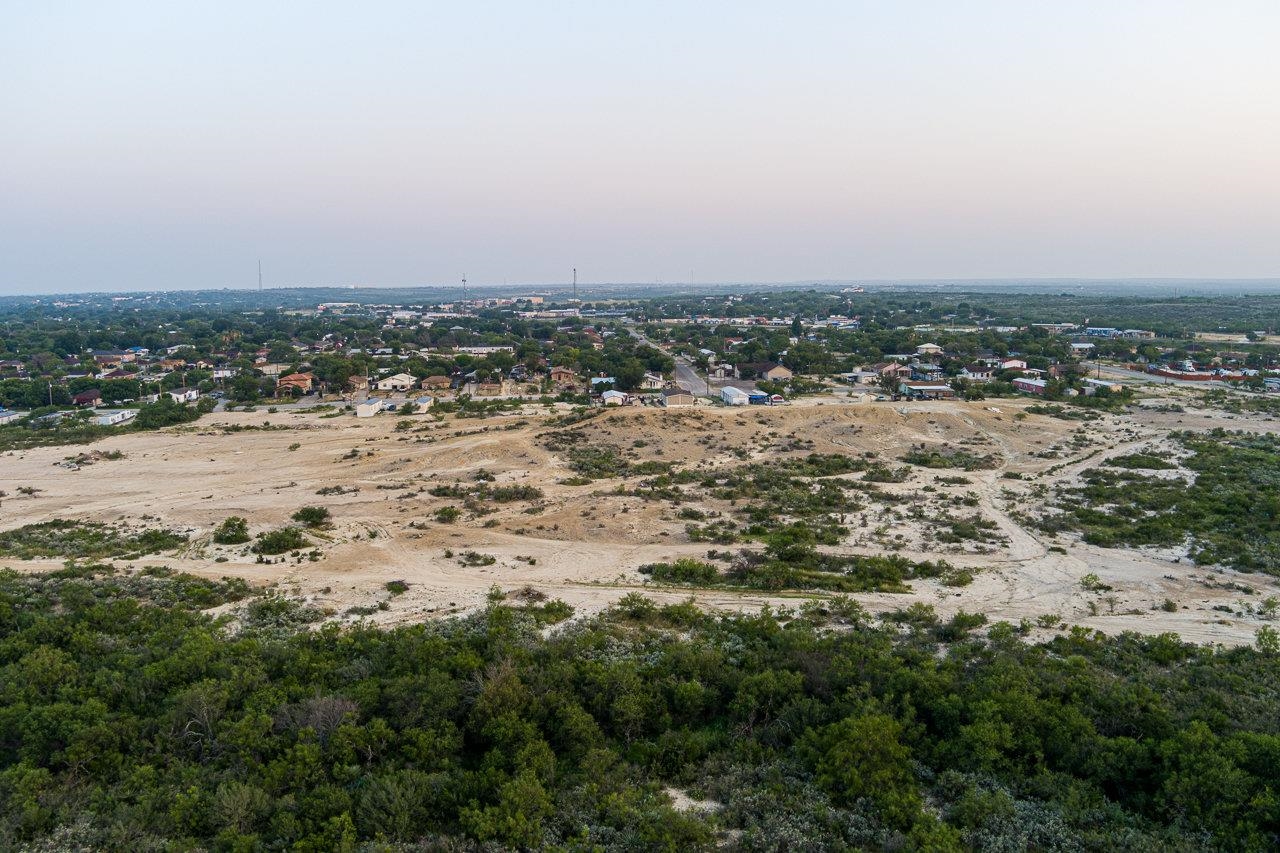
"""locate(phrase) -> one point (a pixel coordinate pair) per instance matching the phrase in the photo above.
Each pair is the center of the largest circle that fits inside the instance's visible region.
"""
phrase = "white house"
(976, 373)
(734, 396)
(399, 382)
(928, 349)
(652, 382)
(368, 408)
(613, 398)
(1013, 364)
(111, 418)
(184, 395)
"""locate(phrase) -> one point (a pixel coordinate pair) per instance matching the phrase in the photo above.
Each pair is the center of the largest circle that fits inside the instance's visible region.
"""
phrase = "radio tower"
(464, 287)
(259, 275)
(575, 284)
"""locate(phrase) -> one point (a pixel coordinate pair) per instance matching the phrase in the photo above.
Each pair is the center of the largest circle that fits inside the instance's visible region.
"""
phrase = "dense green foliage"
(1230, 510)
(791, 562)
(124, 724)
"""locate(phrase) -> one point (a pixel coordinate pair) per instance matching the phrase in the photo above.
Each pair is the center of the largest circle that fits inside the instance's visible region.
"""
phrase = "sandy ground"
(584, 544)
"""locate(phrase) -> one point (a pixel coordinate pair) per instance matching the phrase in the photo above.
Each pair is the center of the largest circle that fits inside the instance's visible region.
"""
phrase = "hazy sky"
(172, 144)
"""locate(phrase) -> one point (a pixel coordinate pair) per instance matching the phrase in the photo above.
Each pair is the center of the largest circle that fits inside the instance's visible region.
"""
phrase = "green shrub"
(234, 530)
(279, 541)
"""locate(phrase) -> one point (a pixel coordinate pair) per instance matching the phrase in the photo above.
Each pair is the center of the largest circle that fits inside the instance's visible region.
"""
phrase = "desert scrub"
(684, 571)
(948, 458)
(84, 539)
(280, 541)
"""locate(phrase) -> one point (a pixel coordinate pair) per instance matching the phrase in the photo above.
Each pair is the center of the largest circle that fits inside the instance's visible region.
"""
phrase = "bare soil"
(584, 544)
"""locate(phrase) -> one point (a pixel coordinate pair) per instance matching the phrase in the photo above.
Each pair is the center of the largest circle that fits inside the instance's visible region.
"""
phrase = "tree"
(862, 757)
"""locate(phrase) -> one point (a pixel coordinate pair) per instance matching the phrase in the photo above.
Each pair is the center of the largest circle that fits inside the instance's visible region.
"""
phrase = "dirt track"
(585, 544)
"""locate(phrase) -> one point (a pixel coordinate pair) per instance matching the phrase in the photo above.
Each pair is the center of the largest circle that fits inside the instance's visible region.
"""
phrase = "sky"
(165, 145)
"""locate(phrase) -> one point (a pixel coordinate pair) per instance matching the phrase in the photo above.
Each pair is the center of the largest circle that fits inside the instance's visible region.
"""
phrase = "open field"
(581, 541)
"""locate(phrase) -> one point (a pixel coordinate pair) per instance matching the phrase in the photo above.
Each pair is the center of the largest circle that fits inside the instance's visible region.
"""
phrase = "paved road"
(686, 376)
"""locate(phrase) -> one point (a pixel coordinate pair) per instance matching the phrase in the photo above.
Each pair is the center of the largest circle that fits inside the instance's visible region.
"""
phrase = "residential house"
(928, 350)
(892, 369)
(91, 398)
(1013, 364)
(922, 371)
(926, 390)
(977, 372)
(652, 382)
(613, 398)
(437, 383)
(676, 396)
(563, 376)
(398, 382)
(184, 395)
(770, 370)
(723, 371)
(488, 389)
(302, 382)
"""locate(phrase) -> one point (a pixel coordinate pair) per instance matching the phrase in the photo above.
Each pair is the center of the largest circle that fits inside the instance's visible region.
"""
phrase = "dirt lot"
(584, 543)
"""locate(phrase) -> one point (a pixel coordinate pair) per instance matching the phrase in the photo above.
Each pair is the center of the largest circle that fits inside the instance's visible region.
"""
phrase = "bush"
(684, 570)
(234, 530)
(312, 516)
(280, 541)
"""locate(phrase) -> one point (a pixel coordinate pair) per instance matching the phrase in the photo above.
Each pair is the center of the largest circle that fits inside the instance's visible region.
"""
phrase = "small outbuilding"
(676, 396)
